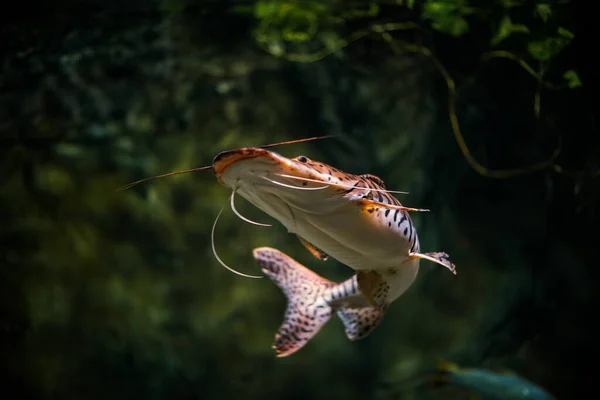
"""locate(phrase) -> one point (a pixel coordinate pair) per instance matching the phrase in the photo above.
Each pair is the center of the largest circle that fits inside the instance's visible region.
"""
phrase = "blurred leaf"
(565, 33)
(572, 79)
(447, 16)
(506, 29)
(290, 21)
(331, 40)
(511, 3)
(276, 48)
(264, 9)
(452, 26)
(544, 11)
(372, 11)
(435, 9)
(301, 26)
(544, 50)
(406, 3)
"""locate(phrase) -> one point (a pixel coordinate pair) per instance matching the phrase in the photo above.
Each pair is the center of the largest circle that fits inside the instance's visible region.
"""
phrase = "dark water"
(110, 294)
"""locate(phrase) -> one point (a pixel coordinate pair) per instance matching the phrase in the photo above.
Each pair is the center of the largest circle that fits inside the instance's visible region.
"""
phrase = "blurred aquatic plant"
(298, 24)
(448, 17)
(122, 286)
(528, 33)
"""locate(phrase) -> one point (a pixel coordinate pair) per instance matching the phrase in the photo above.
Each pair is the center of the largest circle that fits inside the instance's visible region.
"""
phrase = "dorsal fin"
(378, 181)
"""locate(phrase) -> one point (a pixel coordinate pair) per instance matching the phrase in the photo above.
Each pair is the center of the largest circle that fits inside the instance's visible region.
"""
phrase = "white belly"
(349, 236)
(341, 229)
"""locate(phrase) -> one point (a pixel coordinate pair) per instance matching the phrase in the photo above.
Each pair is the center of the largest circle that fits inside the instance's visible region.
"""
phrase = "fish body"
(351, 218)
(313, 300)
(491, 385)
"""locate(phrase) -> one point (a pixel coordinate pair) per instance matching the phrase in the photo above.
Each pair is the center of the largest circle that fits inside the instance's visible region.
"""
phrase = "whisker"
(339, 184)
(296, 141)
(294, 187)
(231, 200)
(266, 146)
(185, 171)
(212, 242)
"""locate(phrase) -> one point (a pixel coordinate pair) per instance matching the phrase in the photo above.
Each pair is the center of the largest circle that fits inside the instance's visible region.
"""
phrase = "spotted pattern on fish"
(373, 286)
(381, 293)
(360, 322)
(312, 299)
(307, 311)
(395, 219)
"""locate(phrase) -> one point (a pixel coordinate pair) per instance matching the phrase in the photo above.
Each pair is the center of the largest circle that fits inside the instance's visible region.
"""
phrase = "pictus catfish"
(351, 218)
(312, 300)
(489, 385)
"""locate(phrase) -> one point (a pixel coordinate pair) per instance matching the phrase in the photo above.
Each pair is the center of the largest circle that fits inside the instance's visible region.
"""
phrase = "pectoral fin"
(321, 255)
(371, 205)
(436, 257)
(373, 287)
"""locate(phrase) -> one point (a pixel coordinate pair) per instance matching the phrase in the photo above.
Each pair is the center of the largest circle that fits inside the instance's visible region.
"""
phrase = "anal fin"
(436, 257)
(320, 254)
(360, 322)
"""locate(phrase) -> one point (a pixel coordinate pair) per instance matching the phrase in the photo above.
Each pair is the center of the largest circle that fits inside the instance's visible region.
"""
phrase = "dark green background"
(114, 295)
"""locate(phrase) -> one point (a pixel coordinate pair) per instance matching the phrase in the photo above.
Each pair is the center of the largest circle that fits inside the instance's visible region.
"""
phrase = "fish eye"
(302, 159)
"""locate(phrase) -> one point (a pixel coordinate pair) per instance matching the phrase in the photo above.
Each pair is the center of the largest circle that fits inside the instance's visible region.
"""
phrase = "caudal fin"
(307, 311)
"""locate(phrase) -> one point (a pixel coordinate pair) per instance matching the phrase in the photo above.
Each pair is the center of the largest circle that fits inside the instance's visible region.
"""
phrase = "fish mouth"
(225, 159)
(262, 162)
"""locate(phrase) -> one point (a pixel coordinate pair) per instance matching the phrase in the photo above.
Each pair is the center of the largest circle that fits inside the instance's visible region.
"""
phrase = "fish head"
(268, 179)
(254, 164)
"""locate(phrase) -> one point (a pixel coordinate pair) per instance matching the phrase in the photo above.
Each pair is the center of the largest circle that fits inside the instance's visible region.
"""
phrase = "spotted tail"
(312, 300)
